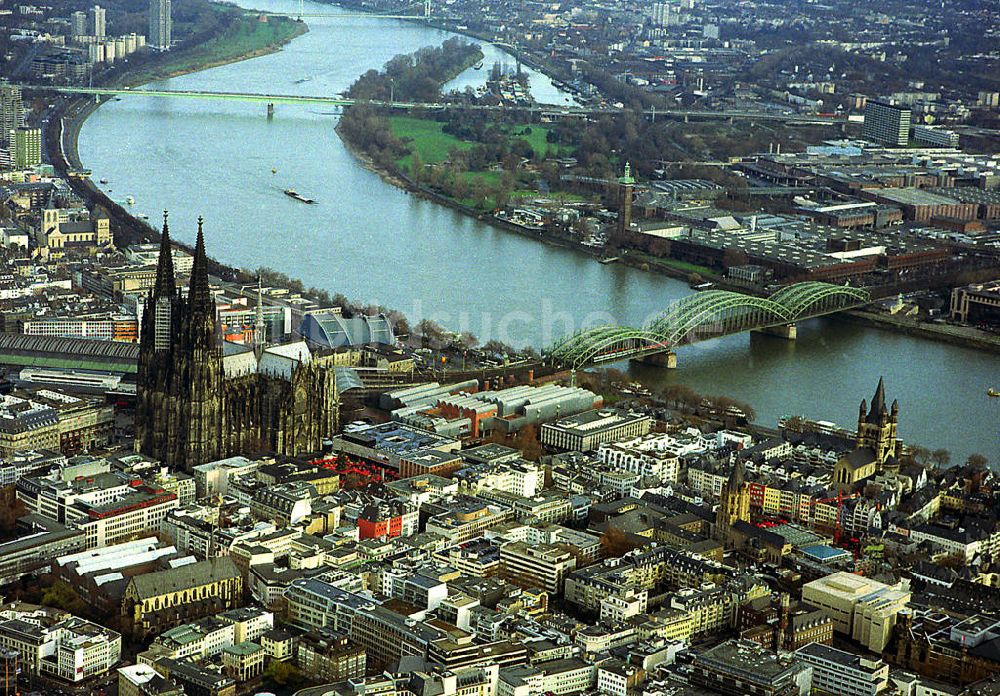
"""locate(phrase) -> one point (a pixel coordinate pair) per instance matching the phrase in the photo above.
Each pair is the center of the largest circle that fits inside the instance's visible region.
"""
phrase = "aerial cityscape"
(499, 348)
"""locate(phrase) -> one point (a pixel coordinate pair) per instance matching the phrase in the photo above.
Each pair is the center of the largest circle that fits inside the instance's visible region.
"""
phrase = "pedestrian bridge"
(702, 316)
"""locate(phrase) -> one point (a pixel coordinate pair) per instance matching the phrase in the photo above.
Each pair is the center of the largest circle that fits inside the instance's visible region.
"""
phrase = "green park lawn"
(245, 37)
(428, 138)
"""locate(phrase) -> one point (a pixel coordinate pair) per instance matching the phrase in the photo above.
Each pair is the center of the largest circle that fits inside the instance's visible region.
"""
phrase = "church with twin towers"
(200, 399)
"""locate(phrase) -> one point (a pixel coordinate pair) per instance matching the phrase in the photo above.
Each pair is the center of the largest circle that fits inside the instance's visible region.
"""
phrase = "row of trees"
(269, 276)
(683, 397)
(367, 129)
(453, 180)
(418, 76)
(604, 144)
(677, 396)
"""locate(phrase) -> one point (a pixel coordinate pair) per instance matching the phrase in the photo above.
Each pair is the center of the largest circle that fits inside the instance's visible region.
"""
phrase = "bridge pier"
(270, 111)
(667, 359)
(786, 331)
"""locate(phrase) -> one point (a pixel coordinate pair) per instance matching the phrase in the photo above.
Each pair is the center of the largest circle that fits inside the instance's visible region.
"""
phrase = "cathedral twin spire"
(165, 266)
(192, 323)
(200, 303)
(199, 295)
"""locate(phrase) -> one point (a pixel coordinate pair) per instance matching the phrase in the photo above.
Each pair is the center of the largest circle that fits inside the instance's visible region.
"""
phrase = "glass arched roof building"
(330, 328)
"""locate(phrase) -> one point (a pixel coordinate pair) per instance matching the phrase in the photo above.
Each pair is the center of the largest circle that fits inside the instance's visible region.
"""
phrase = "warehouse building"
(388, 443)
(921, 205)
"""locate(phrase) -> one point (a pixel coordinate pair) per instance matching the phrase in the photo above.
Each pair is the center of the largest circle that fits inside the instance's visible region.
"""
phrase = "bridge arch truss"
(705, 315)
(715, 313)
(803, 300)
(602, 344)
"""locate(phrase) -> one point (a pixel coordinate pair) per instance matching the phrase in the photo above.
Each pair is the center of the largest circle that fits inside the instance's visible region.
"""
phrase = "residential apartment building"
(566, 676)
(642, 569)
(387, 519)
(840, 672)
(213, 478)
(466, 519)
(50, 419)
(142, 680)
(55, 644)
(519, 477)
(243, 661)
(739, 667)
(328, 657)
(602, 637)
(26, 425)
(25, 147)
(11, 110)
(886, 123)
(313, 604)
(387, 636)
(649, 456)
(932, 135)
(616, 678)
(160, 24)
(543, 566)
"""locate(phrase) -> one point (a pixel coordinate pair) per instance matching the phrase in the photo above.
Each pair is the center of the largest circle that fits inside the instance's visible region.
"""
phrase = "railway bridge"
(700, 317)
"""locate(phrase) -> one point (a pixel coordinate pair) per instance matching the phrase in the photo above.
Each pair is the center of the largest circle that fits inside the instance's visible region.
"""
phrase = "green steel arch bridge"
(703, 316)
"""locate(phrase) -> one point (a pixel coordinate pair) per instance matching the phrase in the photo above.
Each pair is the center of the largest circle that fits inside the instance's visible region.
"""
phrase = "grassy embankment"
(247, 37)
(427, 138)
(650, 262)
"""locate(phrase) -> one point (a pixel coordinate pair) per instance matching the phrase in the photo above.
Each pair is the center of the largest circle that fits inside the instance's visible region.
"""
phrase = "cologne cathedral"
(200, 399)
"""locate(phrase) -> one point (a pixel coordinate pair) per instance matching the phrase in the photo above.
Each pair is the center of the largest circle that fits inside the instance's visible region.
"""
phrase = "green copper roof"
(627, 178)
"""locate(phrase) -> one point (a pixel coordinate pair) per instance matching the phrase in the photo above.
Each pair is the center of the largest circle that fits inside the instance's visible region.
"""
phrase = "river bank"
(531, 60)
(63, 129)
(966, 337)
(398, 178)
(264, 37)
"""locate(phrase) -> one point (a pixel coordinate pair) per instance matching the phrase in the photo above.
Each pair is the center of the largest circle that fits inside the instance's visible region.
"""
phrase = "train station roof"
(18, 350)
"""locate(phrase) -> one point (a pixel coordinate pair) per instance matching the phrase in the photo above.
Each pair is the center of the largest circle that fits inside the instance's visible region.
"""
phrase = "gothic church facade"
(200, 400)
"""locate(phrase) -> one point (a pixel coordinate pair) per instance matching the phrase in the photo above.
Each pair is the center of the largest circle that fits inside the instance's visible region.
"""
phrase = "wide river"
(374, 243)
